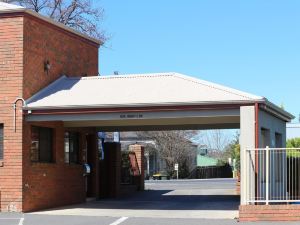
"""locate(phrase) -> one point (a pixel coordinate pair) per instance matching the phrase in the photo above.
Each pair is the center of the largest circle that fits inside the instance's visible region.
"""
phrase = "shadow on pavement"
(161, 200)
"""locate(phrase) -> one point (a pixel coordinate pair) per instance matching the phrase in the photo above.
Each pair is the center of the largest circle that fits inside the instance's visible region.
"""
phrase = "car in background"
(161, 176)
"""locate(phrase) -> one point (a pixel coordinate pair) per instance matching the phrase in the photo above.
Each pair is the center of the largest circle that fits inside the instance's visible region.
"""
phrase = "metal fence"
(273, 176)
(209, 172)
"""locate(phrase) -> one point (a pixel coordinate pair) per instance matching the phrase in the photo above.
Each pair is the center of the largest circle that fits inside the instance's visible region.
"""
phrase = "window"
(265, 137)
(1, 142)
(71, 147)
(41, 144)
(278, 140)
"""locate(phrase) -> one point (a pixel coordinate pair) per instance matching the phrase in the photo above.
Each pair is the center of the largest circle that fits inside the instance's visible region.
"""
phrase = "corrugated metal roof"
(135, 90)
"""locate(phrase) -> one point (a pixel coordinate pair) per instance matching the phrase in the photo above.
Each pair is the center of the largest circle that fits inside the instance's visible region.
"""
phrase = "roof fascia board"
(169, 106)
(277, 111)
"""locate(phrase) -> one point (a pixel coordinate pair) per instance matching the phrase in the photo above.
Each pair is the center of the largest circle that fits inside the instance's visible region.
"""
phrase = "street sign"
(176, 166)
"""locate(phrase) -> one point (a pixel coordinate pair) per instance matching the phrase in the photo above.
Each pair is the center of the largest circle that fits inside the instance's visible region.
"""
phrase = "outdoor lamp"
(47, 66)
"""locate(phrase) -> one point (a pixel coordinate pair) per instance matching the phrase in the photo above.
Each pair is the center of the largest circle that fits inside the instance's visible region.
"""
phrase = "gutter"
(139, 105)
(156, 108)
(277, 111)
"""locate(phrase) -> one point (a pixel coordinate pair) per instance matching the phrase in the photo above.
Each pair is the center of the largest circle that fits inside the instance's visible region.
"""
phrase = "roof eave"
(278, 111)
(166, 104)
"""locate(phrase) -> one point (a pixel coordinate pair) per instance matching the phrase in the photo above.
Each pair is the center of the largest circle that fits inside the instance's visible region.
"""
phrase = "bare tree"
(174, 147)
(77, 14)
(216, 139)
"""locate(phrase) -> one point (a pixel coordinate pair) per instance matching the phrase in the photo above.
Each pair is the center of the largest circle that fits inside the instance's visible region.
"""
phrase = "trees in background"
(219, 144)
(293, 143)
(174, 147)
(80, 15)
(215, 139)
(179, 146)
(232, 150)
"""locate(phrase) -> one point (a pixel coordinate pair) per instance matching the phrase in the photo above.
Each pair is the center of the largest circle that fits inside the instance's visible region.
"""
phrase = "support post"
(247, 140)
(267, 174)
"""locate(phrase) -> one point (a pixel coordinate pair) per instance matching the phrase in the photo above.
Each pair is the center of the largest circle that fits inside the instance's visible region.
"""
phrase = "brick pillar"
(139, 153)
(112, 158)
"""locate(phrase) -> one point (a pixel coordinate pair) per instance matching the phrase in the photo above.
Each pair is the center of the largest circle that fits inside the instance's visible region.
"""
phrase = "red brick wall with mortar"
(50, 185)
(25, 43)
(11, 70)
(67, 54)
(54, 184)
(139, 153)
(269, 213)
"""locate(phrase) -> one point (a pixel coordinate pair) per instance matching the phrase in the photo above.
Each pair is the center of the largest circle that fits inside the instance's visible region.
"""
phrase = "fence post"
(267, 174)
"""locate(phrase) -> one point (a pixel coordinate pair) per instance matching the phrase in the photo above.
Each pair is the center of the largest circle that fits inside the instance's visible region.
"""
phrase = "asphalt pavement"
(174, 202)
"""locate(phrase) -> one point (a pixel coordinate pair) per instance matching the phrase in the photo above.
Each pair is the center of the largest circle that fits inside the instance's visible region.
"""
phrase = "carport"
(160, 101)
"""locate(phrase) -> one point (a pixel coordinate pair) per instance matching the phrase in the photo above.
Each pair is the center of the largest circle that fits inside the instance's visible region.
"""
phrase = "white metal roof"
(10, 8)
(135, 90)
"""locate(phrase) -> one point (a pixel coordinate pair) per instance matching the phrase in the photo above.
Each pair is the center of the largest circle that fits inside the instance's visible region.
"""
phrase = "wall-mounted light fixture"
(47, 66)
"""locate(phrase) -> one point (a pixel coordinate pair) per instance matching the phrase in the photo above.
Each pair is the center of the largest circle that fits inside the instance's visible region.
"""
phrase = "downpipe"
(15, 113)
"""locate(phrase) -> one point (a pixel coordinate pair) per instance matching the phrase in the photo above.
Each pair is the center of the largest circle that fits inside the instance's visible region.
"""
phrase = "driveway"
(206, 199)
(188, 202)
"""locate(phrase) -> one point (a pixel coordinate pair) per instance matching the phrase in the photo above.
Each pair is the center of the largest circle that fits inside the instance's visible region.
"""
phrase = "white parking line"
(21, 221)
(118, 221)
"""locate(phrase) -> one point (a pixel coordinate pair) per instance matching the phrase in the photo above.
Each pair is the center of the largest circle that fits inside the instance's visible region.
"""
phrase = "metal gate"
(273, 176)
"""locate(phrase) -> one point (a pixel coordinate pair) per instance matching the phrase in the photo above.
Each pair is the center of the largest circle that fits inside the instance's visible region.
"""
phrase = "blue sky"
(249, 45)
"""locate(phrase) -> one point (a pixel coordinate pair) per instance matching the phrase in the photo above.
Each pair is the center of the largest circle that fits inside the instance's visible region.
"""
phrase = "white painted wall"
(247, 140)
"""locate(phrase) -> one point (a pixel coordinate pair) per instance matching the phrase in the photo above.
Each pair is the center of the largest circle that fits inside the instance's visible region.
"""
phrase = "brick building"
(52, 103)
(28, 42)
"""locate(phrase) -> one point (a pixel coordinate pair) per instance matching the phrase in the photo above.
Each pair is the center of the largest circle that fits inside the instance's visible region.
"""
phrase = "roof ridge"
(213, 85)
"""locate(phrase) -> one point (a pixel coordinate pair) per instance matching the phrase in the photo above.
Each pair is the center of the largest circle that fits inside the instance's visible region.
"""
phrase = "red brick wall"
(11, 69)
(139, 153)
(50, 185)
(25, 44)
(269, 213)
(68, 55)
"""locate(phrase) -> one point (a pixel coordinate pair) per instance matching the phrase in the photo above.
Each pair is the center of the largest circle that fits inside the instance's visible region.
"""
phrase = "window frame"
(40, 148)
(73, 139)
